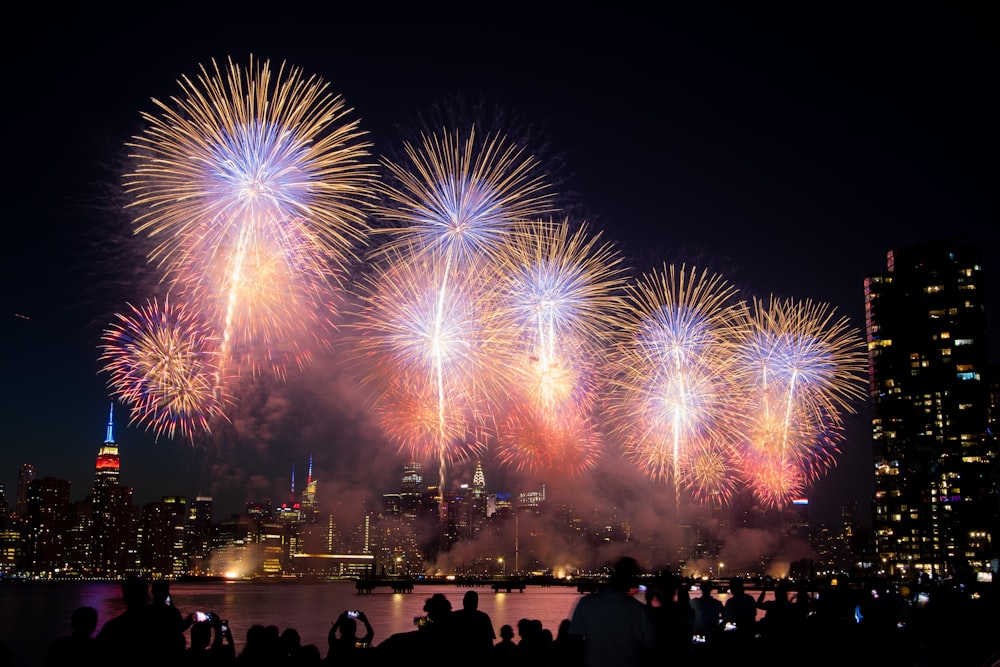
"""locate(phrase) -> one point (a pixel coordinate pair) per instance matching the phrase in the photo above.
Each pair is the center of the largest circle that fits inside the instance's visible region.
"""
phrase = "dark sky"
(788, 151)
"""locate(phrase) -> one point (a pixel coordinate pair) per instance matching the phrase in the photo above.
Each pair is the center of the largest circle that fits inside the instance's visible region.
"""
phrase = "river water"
(33, 614)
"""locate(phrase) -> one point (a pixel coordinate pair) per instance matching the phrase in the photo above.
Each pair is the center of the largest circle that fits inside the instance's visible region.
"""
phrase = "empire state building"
(113, 548)
(108, 463)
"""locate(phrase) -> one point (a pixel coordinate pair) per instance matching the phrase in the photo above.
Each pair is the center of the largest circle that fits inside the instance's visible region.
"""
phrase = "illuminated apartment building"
(935, 507)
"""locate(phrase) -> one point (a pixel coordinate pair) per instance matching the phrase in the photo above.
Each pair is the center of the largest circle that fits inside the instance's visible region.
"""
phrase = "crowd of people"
(634, 620)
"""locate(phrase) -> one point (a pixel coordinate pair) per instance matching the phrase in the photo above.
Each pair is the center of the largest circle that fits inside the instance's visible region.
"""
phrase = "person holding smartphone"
(345, 647)
(206, 649)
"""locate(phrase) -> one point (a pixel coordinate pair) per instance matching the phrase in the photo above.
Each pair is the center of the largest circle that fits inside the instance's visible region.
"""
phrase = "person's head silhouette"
(161, 591)
(625, 575)
(201, 635)
(135, 591)
(84, 621)
(437, 607)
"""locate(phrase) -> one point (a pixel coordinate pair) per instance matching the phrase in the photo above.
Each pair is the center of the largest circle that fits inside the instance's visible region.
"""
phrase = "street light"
(721, 565)
(503, 565)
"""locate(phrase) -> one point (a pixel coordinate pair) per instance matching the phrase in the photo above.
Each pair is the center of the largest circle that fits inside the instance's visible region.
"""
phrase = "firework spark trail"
(801, 368)
(253, 183)
(560, 299)
(674, 374)
(430, 363)
(452, 207)
(161, 363)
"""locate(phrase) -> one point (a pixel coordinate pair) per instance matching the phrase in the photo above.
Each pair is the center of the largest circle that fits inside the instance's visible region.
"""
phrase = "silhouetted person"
(125, 639)
(615, 628)
(79, 647)
(262, 647)
(504, 652)
(344, 645)
(211, 644)
(669, 606)
(167, 624)
(707, 613)
(472, 628)
(564, 650)
(777, 621)
(430, 644)
(291, 644)
(740, 610)
(308, 656)
(532, 650)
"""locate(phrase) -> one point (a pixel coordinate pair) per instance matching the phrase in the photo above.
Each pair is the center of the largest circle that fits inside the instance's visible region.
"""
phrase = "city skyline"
(771, 163)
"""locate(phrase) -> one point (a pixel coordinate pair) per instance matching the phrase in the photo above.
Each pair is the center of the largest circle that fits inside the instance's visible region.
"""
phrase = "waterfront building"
(25, 475)
(79, 540)
(162, 526)
(198, 534)
(46, 522)
(115, 548)
(412, 491)
(935, 507)
(308, 505)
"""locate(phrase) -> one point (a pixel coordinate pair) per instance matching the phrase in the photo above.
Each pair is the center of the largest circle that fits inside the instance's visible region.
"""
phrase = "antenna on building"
(111, 425)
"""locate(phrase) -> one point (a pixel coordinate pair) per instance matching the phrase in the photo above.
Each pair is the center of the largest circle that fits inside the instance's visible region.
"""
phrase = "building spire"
(110, 439)
(309, 477)
(478, 481)
(293, 480)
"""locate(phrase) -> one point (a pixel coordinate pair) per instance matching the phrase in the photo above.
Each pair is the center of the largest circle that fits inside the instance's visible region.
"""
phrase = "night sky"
(787, 151)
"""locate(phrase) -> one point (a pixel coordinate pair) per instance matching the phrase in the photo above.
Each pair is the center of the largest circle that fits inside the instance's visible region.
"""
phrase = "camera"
(353, 613)
(201, 617)
(224, 627)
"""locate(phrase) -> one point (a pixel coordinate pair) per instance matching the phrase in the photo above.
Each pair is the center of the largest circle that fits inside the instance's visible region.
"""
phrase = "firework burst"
(711, 471)
(801, 368)
(448, 212)
(428, 361)
(252, 183)
(674, 401)
(533, 441)
(460, 199)
(162, 364)
(560, 296)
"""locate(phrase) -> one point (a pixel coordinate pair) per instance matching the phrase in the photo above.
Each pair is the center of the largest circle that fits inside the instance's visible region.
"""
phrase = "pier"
(369, 585)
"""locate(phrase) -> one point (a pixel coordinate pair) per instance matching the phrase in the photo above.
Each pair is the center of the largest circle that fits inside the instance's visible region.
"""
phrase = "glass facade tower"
(935, 507)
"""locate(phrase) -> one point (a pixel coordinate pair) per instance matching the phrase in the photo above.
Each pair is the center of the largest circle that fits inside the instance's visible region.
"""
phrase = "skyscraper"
(935, 507)
(25, 476)
(46, 521)
(114, 549)
(309, 506)
(108, 462)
